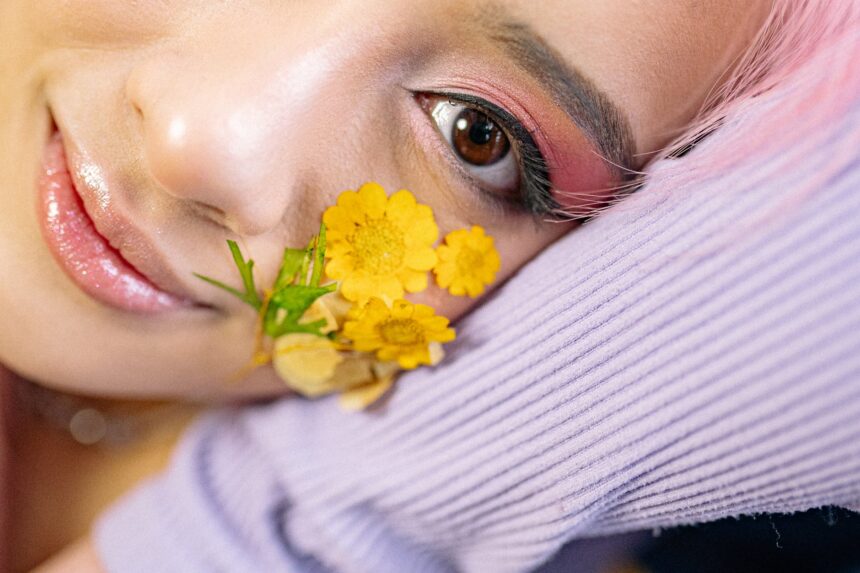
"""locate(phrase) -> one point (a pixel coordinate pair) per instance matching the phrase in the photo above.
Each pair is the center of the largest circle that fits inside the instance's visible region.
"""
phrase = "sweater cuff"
(206, 513)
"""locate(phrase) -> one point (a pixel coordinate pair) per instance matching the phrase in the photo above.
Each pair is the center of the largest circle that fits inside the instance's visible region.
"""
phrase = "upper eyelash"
(535, 186)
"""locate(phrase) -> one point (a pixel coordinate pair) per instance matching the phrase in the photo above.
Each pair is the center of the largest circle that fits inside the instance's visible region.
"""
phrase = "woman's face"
(187, 122)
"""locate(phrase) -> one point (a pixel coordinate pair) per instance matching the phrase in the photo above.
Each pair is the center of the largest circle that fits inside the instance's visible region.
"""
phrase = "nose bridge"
(218, 108)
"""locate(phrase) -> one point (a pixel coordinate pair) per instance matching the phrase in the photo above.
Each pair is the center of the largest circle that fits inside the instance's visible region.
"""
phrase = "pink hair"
(806, 54)
(804, 62)
(801, 73)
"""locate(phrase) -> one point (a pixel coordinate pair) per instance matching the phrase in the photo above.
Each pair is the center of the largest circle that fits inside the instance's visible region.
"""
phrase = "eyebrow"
(589, 108)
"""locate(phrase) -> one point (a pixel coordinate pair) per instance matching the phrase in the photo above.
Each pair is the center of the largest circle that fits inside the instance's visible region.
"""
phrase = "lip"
(99, 248)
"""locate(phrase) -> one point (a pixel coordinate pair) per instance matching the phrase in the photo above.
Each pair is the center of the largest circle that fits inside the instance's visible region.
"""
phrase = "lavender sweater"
(683, 357)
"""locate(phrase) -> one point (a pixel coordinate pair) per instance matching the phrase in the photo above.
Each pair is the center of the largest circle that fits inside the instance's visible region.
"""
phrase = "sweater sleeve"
(683, 357)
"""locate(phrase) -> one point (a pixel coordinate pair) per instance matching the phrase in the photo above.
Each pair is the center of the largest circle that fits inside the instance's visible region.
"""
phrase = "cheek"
(447, 305)
(515, 248)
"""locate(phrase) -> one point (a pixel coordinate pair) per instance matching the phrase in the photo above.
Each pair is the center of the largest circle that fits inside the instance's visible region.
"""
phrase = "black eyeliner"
(535, 192)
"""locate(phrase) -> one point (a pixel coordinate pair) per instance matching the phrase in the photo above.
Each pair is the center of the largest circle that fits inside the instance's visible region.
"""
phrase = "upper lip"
(98, 193)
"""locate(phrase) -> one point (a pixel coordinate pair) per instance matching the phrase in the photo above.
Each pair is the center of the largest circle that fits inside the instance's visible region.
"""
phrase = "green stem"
(319, 259)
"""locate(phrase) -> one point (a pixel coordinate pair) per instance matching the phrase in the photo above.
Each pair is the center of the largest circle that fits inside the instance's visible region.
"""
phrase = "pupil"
(477, 140)
(481, 132)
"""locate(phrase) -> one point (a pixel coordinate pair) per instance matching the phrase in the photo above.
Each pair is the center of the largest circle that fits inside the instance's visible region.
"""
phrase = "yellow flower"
(468, 262)
(314, 366)
(378, 245)
(406, 333)
(307, 363)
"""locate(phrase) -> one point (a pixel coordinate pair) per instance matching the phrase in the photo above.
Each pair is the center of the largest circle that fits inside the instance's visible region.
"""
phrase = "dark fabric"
(825, 540)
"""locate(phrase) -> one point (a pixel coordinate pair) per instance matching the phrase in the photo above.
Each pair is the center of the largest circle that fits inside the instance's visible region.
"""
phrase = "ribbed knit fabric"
(683, 357)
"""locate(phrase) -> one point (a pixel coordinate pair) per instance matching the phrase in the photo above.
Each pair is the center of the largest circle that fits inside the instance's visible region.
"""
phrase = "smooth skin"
(245, 119)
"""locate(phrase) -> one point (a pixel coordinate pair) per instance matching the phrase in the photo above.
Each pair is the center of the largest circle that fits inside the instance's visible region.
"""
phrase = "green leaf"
(294, 290)
(246, 270)
(290, 265)
(306, 262)
(221, 285)
(292, 302)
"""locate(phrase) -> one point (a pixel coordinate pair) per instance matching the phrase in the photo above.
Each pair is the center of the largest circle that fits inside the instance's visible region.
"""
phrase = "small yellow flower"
(313, 367)
(378, 245)
(468, 262)
(406, 333)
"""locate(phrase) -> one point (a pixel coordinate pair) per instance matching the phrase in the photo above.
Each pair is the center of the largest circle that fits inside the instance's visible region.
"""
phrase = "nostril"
(137, 111)
(213, 150)
(135, 91)
(211, 213)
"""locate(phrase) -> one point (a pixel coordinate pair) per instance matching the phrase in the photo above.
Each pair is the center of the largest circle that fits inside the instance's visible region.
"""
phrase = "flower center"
(378, 247)
(401, 332)
(468, 260)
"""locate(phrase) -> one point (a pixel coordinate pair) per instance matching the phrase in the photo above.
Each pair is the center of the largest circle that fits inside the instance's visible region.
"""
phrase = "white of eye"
(502, 175)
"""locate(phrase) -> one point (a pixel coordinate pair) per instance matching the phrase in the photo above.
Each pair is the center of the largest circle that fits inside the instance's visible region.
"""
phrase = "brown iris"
(477, 139)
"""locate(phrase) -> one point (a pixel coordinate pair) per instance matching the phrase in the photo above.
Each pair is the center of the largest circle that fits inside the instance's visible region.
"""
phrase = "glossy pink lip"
(85, 255)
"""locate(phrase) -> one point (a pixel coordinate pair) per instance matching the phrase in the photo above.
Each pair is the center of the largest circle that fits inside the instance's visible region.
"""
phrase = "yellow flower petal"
(433, 323)
(338, 268)
(414, 281)
(361, 397)
(352, 207)
(390, 287)
(306, 363)
(373, 200)
(422, 228)
(446, 254)
(354, 287)
(445, 274)
(401, 206)
(338, 306)
(340, 249)
(436, 353)
(412, 360)
(354, 370)
(320, 310)
(474, 287)
(422, 232)
(337, 220)
(421, 259)
(420, 311)
(457, 288)
(457, 239)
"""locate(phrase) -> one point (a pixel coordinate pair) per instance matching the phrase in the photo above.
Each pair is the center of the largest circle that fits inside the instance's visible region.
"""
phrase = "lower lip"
(87, 257)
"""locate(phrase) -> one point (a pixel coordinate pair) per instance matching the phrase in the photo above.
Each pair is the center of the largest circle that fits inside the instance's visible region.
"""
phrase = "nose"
(219, 114)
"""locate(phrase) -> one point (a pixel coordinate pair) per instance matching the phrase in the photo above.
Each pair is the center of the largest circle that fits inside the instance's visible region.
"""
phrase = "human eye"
(493, 150)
